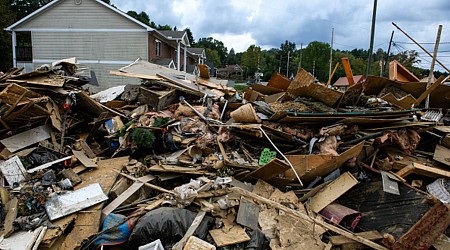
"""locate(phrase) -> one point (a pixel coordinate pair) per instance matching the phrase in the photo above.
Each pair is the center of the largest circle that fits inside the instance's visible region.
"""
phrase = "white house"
(99, 35)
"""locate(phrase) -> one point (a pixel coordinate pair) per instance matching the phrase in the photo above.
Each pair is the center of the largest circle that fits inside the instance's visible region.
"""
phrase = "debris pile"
(186, 162)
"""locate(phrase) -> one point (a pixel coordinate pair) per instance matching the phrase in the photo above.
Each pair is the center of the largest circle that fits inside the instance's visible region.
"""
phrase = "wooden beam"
(348, 71)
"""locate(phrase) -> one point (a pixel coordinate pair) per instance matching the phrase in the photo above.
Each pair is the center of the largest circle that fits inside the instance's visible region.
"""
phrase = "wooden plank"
(154, 204)
(442, 155)
(443, 129)
(338, 240)
(348, 71)
(11, 215)
(198, 219)
(87, 149)
(332, 191)
(126, 194)
(236, 235)
(204, 72)
(195, 243)
(270, 170)
(84, 159)
(307, 218)
(421, 169)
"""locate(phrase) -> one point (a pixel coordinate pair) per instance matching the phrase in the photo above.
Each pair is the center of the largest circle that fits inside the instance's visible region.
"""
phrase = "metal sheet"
(62, 205)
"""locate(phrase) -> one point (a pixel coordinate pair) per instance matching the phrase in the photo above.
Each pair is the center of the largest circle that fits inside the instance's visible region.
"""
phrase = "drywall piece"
(13, 170)
(62, 205)
(155, 245)
(84, 159)
(108, 94)
(248, 214)
(27, 138)
(442, 155)
(195, 243)
(332, 191)
(236, 235)
(21, 240)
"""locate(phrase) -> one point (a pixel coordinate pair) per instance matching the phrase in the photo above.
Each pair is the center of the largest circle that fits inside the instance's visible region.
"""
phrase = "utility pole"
(430, 76)
(331, 52)
(279, 67)
(388, 51)
(287, 66)
(420, 46)
(372, 34)
(314, 68)
(301, 52)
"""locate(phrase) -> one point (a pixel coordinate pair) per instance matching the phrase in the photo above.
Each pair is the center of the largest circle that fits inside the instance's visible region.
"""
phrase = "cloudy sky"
(268, 23)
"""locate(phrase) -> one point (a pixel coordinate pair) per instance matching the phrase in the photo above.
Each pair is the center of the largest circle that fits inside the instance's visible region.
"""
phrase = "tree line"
(286, 59)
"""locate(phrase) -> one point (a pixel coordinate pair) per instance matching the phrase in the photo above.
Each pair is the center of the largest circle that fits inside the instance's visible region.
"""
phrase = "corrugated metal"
(88, 15)
(89, 46)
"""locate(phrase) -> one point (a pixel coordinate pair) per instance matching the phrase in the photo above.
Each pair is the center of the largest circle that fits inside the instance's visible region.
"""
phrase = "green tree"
(7, 18)
(232, 58)
(270, 63)
(190, 36)
(164, 27)
(251, 60)
(213, 44)
(315, 59)
(22, 8)
(142, 17)
(286, 54)
(213, 56)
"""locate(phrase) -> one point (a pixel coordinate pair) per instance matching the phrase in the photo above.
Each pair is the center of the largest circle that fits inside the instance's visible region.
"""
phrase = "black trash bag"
(167, 224)
(258, 241)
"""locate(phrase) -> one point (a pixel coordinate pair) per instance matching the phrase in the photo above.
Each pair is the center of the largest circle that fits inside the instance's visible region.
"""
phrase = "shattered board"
(65, 204)
(385, 212)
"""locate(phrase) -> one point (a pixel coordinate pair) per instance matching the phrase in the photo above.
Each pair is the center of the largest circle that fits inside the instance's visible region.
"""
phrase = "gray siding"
(88, 15)
(115, 46)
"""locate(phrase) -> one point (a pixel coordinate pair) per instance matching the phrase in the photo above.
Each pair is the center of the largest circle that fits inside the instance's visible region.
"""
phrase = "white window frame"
(158, 47)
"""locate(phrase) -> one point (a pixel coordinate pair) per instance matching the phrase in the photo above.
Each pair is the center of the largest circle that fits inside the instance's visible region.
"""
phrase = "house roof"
(342, 81)
(55, 2)
(231, 68)
(196, 51)
(175, 35)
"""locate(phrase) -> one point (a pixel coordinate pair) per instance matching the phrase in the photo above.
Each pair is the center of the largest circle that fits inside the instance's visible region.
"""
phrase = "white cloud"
(239, 42)
(266, 23)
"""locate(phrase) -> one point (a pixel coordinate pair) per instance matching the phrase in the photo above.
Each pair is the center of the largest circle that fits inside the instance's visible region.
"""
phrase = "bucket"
(245, 114)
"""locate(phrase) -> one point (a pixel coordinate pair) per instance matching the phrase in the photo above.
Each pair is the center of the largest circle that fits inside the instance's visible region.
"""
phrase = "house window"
(158, 48)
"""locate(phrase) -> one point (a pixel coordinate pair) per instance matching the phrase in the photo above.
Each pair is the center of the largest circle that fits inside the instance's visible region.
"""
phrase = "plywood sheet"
(332, 191)
(442, 155)
(309, 167)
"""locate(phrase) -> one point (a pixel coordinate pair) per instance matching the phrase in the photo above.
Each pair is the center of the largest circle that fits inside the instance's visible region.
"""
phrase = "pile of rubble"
(186, 162)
